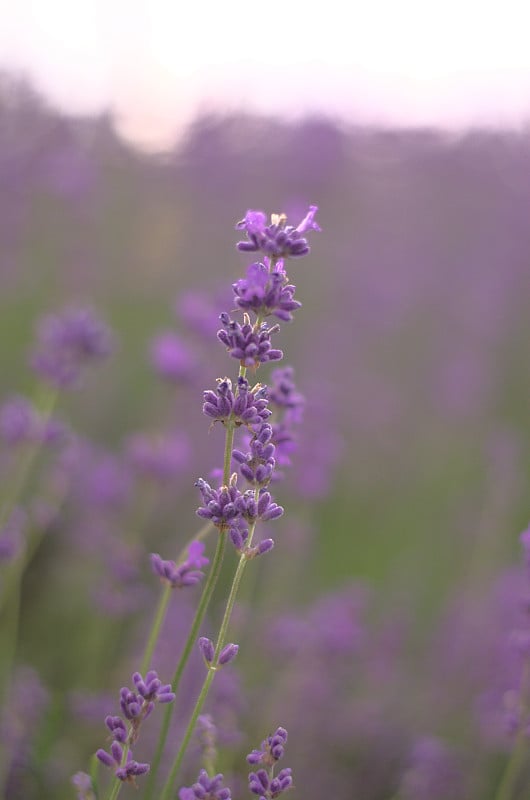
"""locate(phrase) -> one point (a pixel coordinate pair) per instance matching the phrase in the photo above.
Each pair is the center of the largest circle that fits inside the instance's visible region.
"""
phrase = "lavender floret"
(265, 508)
(206, 788)
(257, 466)
(178, 576)
(251, 347)
(272, 749)
(220, 505)
(277, 240)
(129, 771)
(245, 406)
(266, 292)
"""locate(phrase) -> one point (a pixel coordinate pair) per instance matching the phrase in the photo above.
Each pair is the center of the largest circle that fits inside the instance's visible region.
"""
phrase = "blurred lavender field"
(388, 630)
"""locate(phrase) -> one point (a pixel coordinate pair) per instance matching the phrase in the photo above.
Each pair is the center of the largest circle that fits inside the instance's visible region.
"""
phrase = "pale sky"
(157, 62)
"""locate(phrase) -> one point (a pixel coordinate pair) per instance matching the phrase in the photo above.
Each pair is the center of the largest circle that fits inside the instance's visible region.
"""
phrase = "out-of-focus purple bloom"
(206, 788)
(171, 357)
(220, 505)
(277, 240)
(83, 785)
(245, 406)
(107, 483)
(265, 292)
(161, 458)
(282, 393)
(19, 422)
(198, 312)
(250, 347)
(207, 733)
(272, 749)
(188, 573)
(434, 773)
(67, 342)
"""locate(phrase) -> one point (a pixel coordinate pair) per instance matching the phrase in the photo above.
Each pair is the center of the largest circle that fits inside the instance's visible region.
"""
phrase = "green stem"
(221, 639)
(197, 622)
(188, 647)
(116, 786)
(508, 784)
(163, 603)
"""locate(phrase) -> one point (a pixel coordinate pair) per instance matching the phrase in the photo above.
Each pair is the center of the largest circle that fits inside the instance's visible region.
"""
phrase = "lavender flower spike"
(265, 292)
(83, 785)
(206, 788)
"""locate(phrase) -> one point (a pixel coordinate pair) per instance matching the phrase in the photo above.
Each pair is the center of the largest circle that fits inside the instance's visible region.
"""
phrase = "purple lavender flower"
(18, 421)
(277, 240)
(245, 406)
(83, 785)
(264, 508)
(251, 347)
(206, 788)
(257, 466)
(272, 749)
(68, 341)
(158, 458)
(283, 394)
(227, 654)
(266, 292)
(262, 784)
(188, 573)
(129, 771)
(434, 773)
(171, 357)
(220, 505)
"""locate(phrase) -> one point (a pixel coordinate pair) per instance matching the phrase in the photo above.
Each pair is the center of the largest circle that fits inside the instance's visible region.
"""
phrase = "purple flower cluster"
(266, 292)
(272, 749)
(206, 788)
(262, 782)
(21, 423)
(276, 240)
(136, 705)
(66, 343)
(228, 508)
(188, 573)
(245, 406)
(251, 345)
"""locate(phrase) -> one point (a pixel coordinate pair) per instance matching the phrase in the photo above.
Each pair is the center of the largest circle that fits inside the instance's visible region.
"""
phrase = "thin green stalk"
(221, 639)
(163, 603)
(116, 786)
(188, 647)
(197, 622)
(519, 754)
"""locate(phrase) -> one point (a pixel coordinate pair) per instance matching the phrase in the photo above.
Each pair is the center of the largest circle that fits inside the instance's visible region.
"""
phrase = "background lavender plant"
(380, 632)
